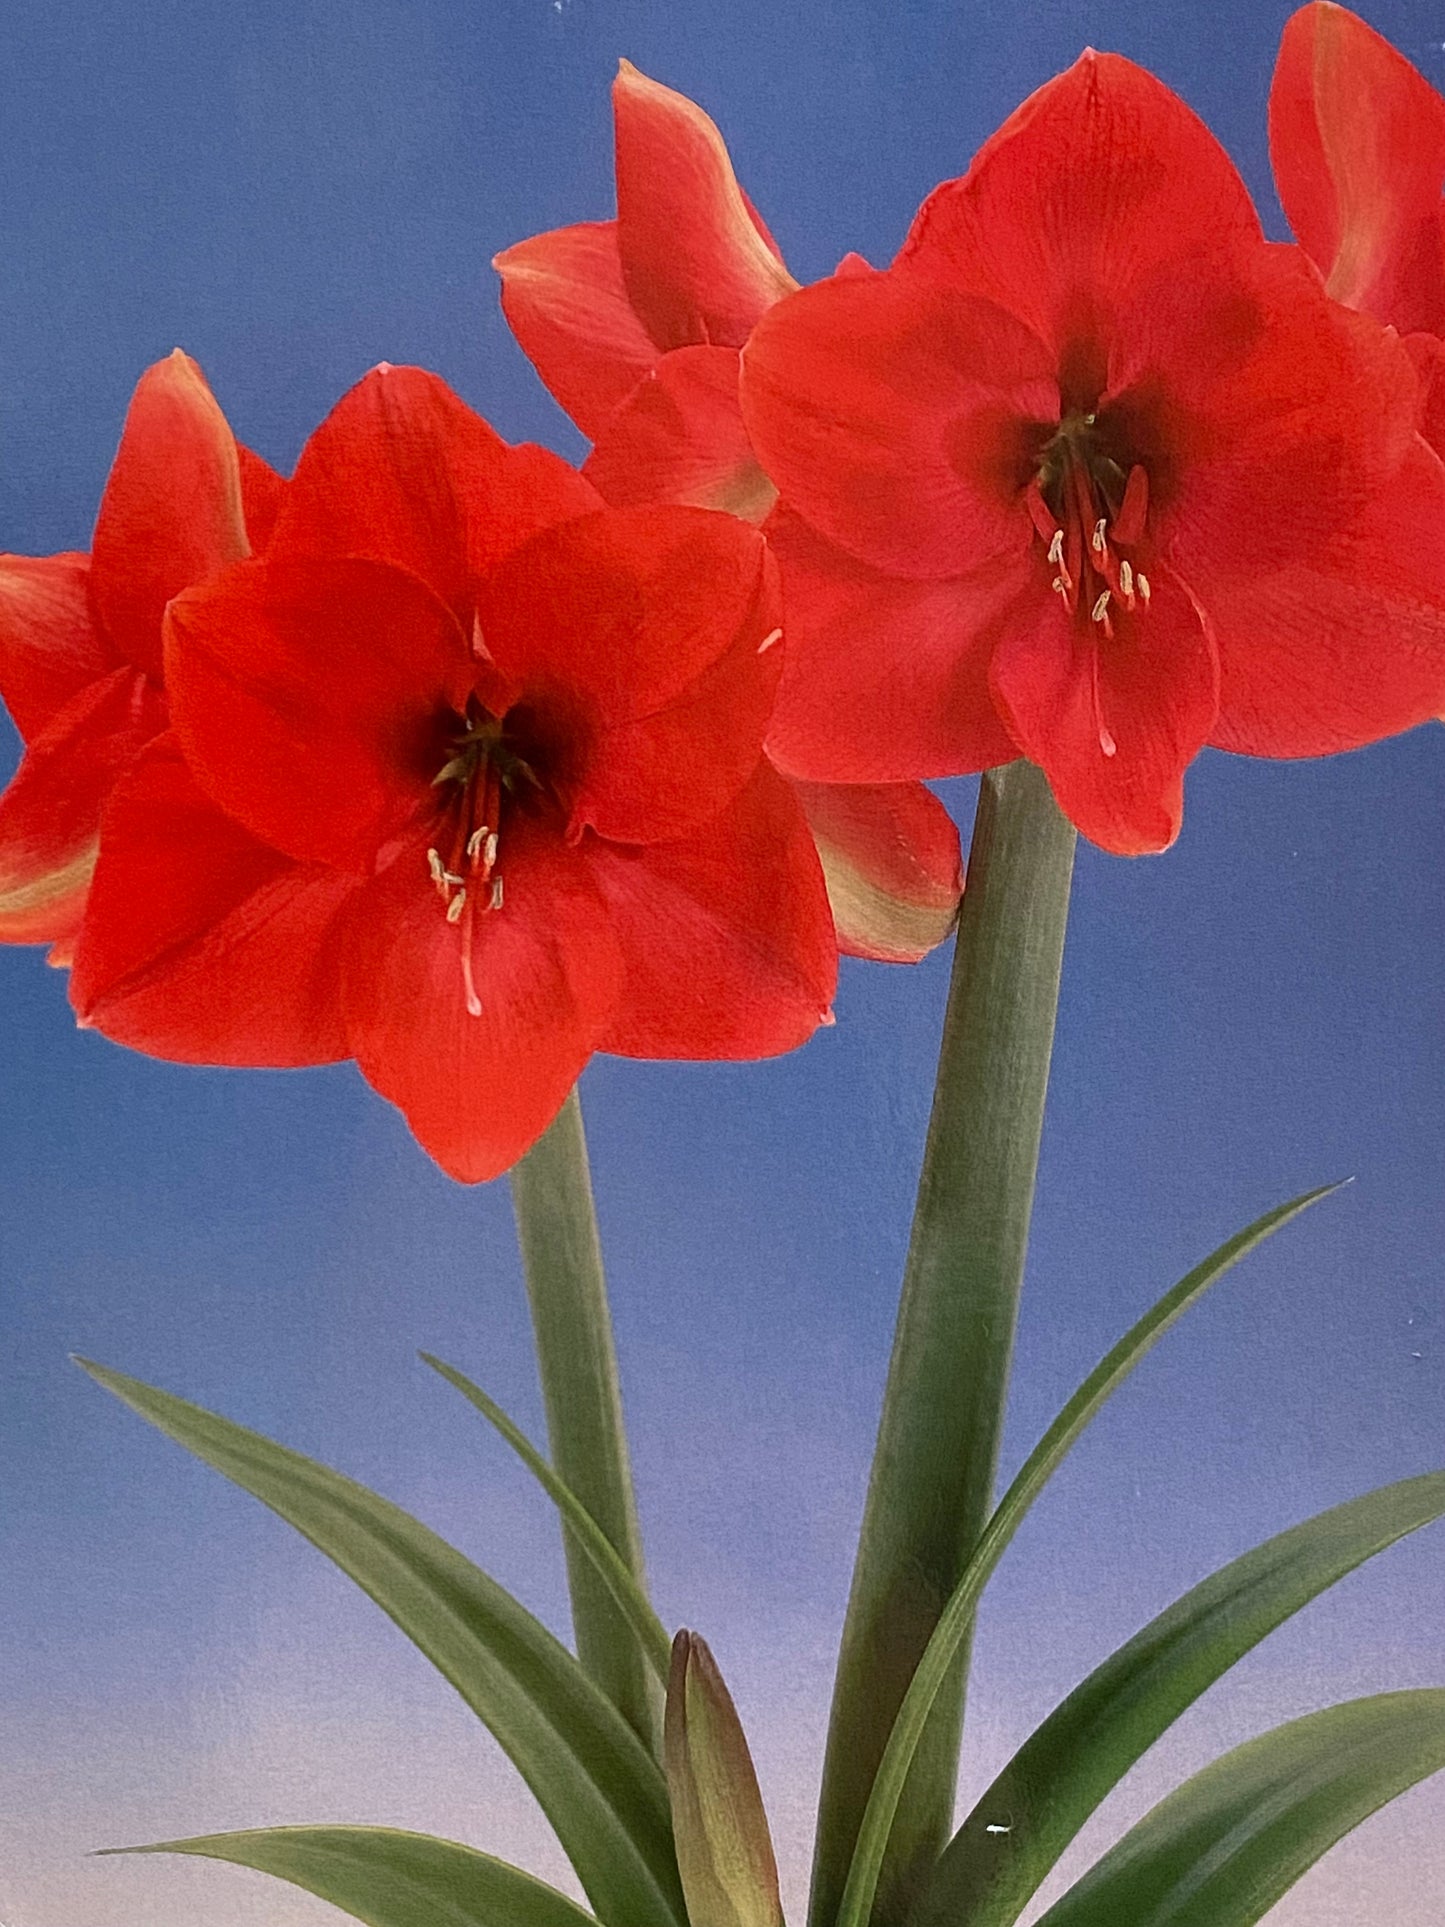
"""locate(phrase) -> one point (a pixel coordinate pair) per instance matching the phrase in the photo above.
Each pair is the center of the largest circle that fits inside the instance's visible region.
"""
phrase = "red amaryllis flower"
(1357, 137)
(635, 326)
(80, 636)
(1095, 475)
(466, 782)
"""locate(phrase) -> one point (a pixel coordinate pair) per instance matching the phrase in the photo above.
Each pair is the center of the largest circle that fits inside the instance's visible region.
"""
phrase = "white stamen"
(1098, 542)
(1126, 580)
(773, 635)
(448, 876)
(1056, 548)
(491, 855)
(1062, 587)
(475, 842)
(456, 906)
(496, 893)
(1141, 583)
(434, 864)
(1107, 743)
(1096, 614)
(995, 1827)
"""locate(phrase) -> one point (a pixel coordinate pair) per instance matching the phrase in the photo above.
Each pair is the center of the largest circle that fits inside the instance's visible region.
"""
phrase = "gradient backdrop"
(294, 190)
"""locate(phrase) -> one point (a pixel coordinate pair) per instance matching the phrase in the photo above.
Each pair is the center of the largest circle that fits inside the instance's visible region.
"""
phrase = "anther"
(1141, 582)
(1099, 541)
(496, 902)
(1061, 587)
(1107, 743)
(475, 842)
(1126, 581)
(1056, 549)
(1097, 613)
(456, 906)
(491, 855)
(773, 635)
(434, 864)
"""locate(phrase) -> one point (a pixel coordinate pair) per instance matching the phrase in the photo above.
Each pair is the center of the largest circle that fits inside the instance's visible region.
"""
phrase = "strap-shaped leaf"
(652, 1639)
(1221, 1850)
(956, 1618)
(597, 1784)
(391, 1879)
(1019, 1828)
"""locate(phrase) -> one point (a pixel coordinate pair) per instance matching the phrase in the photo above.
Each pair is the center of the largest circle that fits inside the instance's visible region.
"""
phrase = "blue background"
(292, 193)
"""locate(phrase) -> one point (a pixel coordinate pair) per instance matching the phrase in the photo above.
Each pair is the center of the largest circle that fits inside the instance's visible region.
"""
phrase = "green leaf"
(648, 1629)
(956, 1619)
(932, 1482)
(577, 1364)
(390, 1879)
(1089, 1742)
(1221, 1850)
(602, 1791)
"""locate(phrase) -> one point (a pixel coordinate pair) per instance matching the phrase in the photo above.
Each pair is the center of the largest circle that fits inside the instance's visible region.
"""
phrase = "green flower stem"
(931, 1488)
(577, 1361)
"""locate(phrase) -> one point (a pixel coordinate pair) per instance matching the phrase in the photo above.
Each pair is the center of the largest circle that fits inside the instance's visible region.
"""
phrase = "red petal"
(900, 419)
(892, 863)
(726, 935)
(311, 699)
(478, 1090)
(1114, 721)
(1357, 137)
(565, 301)
(1267, 415)
(200, 944)
(262, 493)
(171, 514)
(1100, 179)
(50, 814)
(49, 647)
(696, 263)
(1428, 354)
(679, 437)
(640, 640)
(885, 680)
(402, 471)
(1347, 642)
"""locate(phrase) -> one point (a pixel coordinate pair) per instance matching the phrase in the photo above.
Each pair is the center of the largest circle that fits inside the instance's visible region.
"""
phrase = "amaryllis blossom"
(1095, 475)
(465, 781)
(635, 325)
(1357, 137)
(80, 636)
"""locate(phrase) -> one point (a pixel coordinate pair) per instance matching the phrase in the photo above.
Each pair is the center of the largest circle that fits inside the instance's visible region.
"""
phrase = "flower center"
(486, 772)
(1089, 507)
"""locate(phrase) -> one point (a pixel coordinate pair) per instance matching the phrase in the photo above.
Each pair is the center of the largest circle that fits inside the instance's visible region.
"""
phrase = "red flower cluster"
(464, 776)
(447, 758)
(1093, 473)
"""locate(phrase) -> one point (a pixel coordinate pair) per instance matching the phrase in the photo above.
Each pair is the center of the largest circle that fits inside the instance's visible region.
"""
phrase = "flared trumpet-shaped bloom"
(80, 637)
(635, 326)
(1095, 475)
(465, 781)
(1357, 137)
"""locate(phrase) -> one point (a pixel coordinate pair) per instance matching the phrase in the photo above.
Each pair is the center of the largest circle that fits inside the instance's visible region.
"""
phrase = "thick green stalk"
(931, 1488)
(562, 1260)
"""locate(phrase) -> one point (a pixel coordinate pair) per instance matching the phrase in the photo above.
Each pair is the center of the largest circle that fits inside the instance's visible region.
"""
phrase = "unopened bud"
(724, 1851)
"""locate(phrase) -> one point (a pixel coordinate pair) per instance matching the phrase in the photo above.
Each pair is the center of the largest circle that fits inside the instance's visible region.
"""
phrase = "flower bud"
(724, 1852)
